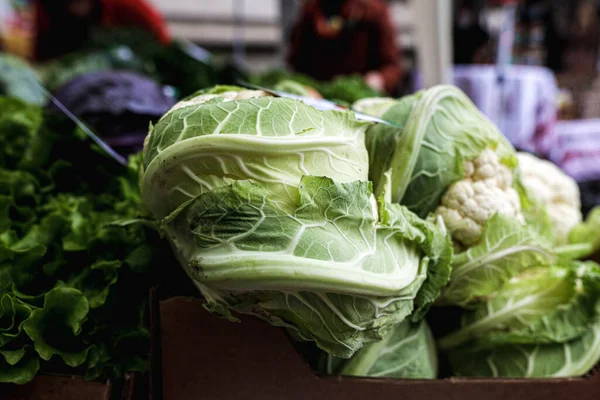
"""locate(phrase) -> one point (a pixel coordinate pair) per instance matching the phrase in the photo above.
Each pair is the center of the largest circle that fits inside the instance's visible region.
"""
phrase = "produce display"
(345, 232)
(417, 247)
(529, 307)
(136, 51)
(75, 276)
(267, 206)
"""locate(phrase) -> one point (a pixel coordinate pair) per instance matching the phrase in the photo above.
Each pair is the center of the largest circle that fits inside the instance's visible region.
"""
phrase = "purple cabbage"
(117, 105)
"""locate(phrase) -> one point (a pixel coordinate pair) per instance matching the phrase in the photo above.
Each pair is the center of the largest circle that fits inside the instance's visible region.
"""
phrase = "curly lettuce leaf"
(62, 207)
(56, 328)
(18, 366)
(19, 123)
(13, 312)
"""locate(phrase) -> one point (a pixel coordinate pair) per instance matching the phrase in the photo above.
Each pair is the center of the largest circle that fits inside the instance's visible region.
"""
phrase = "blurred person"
(470, 41)
(550, 18)
(343, 37)
(63, 26)
(581, 54)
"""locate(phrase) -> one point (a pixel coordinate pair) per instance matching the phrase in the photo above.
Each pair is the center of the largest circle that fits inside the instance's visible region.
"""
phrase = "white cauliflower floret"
(546, 183)
(485, 190)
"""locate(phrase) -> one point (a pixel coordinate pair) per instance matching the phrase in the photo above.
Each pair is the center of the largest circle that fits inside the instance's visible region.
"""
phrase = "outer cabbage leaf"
(541, 305)
(408, 351)
(587, 233)
(296, 88)
(573, 358)
(506, 248)
(196, 147)
(328, 268)
(374, 106)
(441, 127)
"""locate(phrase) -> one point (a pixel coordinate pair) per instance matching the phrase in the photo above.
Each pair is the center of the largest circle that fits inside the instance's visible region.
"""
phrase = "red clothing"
(367, 43)
(58, 33)
(135, 13)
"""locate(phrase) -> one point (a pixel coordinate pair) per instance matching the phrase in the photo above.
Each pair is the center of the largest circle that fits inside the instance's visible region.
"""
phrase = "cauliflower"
(485, 190)
(547, 184)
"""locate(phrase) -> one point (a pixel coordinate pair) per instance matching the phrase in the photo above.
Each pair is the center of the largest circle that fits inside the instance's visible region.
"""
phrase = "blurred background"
(531, 66)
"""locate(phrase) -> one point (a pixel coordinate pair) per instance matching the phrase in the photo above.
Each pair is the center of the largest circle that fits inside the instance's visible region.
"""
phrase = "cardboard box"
(58, 387)
(198, 355)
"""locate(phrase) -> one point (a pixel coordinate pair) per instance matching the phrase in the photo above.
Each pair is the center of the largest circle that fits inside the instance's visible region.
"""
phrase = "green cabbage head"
(267, 206)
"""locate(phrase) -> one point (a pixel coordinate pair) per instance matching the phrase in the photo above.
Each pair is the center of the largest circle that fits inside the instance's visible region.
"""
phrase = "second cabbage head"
(268, 208)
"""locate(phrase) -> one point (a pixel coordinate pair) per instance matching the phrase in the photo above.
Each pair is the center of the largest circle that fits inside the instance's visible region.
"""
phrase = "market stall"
(175, 225)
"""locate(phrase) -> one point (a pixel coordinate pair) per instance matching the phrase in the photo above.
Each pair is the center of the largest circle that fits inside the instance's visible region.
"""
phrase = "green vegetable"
(541, 305)
(133, 50)
(19, 80)
(342, 89)
(407, 352)
(270, 79)
(506, 248)
(587, 233)
(266, 205)
(573, 358)
(209, 141)
(347, 89)
(293, 87)
(439, 129)
(374, 106)
(65, 265)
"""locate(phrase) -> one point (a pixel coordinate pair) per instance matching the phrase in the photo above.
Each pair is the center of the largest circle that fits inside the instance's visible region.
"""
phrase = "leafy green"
(374, 106)
(203, 143)
(505, 249)
(342, 89)
(65, 264)
(541, 305)
(18, 366)
(134, 50)
(271, 78)
(19, 80)
(408, 352)
(326, 268)
(293, 87)
(61, 318)
(347, 89)
(572, 358)
(588, 233)
(436, 130)
(18, 123)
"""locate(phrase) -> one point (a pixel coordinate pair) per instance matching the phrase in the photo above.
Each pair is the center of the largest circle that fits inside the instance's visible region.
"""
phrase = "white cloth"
(576, 148)
(525, 113)
(526, 110)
